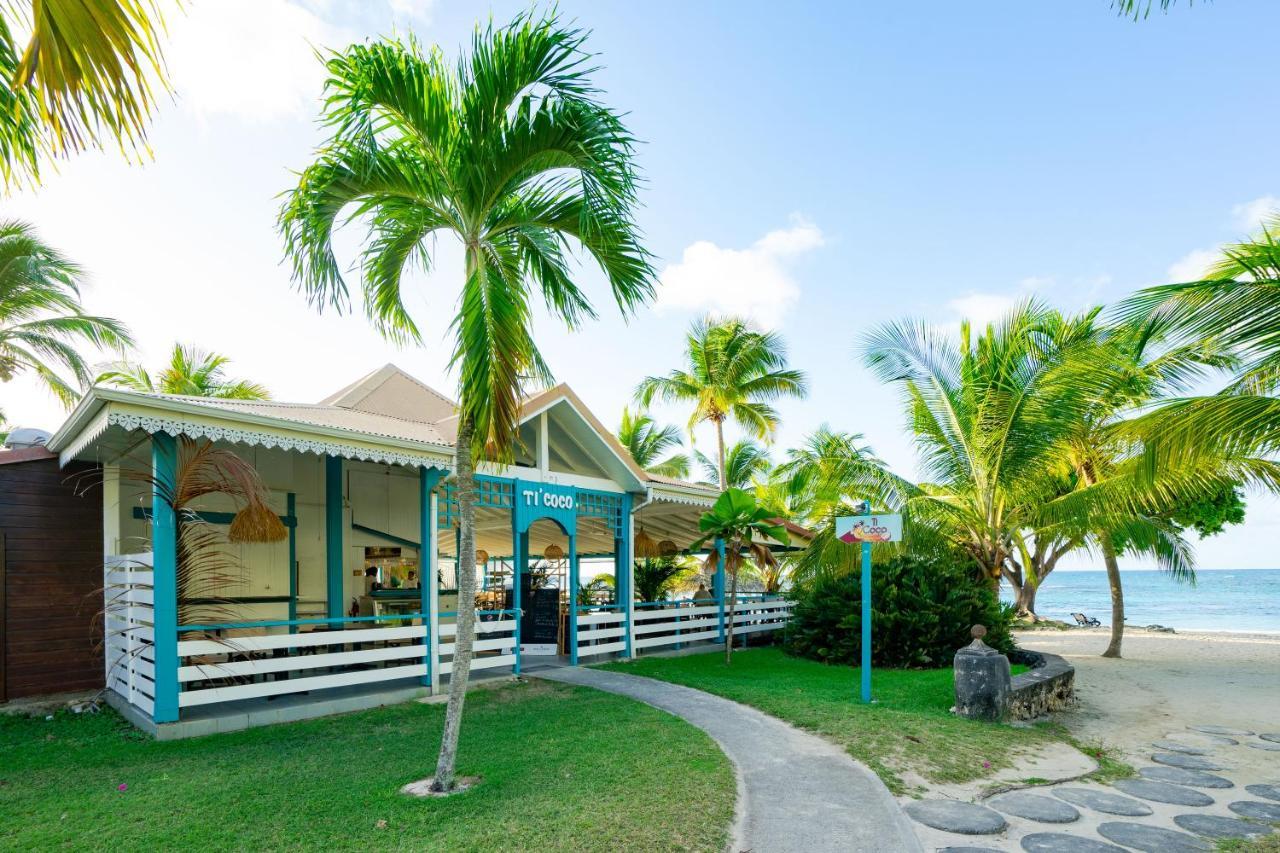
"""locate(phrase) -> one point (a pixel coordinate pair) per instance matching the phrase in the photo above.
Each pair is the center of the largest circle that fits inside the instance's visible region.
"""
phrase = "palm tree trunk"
(1117, 596)
(732, 561)
(724, 484)
(1026, 601)
(466, 563)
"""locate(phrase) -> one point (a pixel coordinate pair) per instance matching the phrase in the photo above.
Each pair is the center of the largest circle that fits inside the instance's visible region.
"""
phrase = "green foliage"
(744, 462)
(922, 610)
(655, 578)
(647, 442)
(191, 372)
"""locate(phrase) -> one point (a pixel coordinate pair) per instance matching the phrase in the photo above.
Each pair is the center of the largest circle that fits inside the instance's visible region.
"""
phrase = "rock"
(955, 816)
(1163, 792)
(982, 680)
(968, 850)
(1174, 746)
(1221, 730)
(1269, 747)
(1034, 807)
(1103, 801)
(1056, 842)
(1186, 762)
(1152, 839)
(1214, 739)
(1213, 826)
(1266, 812)
(1161, 629)
(1273, 737)
(1270, 792)
(1179, 776)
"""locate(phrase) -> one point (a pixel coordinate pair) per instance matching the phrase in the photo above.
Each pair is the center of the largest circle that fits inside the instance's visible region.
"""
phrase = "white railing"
(128, 617)
(494, 644)
(668, 625)
(761, 615)
(601, 630)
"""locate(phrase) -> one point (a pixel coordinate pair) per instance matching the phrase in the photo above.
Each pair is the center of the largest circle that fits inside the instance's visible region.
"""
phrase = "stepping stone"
(955, 816)
(1163, 792)
(1186, 762)
(1152, 839)
(1212, 826)
(1174, 746)
(1034, 807)
(1056, 842)
(1178, 776)
(1103, 801)
(1270, 792)
(1269, 747)
(1273, 737)
(1267, 812)
(968, 850)
(1215, 739)
(1221, 730)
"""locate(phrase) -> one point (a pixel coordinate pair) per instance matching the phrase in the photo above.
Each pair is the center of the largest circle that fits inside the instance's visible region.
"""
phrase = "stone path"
(1184, 802)
(797, 793)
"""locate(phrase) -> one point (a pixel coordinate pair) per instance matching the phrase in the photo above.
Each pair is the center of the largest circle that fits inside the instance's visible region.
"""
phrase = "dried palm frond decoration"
(645, 546)
(482, 557)
(667, 548)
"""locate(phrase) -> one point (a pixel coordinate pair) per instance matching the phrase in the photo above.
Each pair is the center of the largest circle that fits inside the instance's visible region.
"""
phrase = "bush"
(921, 611)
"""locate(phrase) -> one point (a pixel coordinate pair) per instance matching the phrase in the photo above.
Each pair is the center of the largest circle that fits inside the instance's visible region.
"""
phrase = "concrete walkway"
(796, 791)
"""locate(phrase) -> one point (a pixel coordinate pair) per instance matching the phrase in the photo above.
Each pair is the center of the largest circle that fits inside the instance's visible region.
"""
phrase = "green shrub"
(921, 611)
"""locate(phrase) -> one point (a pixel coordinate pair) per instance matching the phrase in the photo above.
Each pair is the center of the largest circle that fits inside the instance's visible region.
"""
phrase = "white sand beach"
(1166, 682)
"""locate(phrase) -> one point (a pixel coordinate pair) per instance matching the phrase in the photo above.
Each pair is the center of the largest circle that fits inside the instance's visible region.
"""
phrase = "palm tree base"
(426, 787)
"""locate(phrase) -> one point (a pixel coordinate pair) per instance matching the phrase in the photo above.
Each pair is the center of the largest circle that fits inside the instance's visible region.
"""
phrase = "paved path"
(796, 792)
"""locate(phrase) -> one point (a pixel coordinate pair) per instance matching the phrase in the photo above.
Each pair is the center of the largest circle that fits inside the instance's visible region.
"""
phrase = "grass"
(909, 729)
(1267, 844)
(563, 769)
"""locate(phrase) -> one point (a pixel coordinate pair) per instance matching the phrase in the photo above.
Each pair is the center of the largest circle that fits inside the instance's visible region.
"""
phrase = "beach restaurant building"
(355, 604)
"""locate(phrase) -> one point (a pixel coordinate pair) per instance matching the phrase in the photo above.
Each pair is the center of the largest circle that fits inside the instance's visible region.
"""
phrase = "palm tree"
(509, 151)
(744, 462)
(41, 317)
(86, 76)
(191, 372)
(647, 442)
(731, 371)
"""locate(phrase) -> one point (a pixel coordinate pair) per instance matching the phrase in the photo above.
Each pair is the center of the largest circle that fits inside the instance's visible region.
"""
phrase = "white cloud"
(1193, 265)
(252, 59)
(983, 308)
(418, 11)
(1249, 215)
(752, 282)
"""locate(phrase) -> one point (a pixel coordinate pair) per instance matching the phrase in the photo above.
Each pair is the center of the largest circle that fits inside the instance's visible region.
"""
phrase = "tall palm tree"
(191, 372)
(41, 318)
(731, 371)
(85, 76)
(647, 442)
(744, 462)
(511, 152)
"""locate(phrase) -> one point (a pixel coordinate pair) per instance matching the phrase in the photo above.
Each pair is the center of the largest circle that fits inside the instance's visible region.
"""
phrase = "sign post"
(867, 529)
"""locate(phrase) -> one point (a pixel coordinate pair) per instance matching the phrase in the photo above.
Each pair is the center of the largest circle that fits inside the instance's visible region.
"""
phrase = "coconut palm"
(745, 461)
(731, 372)
(509, 151)
(191, 372)
(647, 442)
(86, 76)
(41, 318)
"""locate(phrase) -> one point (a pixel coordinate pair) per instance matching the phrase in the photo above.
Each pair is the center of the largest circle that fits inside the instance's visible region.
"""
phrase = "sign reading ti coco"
(871, 528)
(546, 498)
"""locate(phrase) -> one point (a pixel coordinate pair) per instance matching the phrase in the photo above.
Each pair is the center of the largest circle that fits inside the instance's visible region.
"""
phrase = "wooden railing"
(128, 617)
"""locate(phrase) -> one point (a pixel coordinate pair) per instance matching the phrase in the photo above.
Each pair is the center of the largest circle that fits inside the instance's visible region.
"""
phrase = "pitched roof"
(392, 392)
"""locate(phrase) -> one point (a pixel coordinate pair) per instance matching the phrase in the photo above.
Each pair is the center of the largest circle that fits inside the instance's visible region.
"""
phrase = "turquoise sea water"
(1223, 600)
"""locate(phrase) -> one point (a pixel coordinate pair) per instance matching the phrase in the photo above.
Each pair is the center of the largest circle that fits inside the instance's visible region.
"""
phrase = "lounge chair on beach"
(1086, 621)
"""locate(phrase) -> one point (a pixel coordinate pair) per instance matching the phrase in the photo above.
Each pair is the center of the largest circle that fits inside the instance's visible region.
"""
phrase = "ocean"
(1221, 600)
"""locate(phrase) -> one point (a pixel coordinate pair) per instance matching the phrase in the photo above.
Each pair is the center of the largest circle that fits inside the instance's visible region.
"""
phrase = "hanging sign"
(858, 529)
(542, 496)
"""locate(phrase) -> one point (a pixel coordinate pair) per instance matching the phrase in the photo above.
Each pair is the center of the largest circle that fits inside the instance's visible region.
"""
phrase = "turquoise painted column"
(291, 510)
(333, 524)
(427, 480)
(164, 550)
(719, 584)
(625, 578)
(573, 600)
(519, 556)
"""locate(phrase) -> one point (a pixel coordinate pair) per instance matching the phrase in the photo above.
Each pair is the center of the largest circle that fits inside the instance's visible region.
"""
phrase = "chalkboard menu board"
(541, 622)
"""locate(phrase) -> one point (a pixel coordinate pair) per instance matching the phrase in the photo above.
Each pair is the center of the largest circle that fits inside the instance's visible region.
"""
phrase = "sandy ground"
(1166, 682)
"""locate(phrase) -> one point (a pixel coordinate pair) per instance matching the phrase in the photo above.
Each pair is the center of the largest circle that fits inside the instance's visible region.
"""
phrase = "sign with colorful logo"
(858, 529)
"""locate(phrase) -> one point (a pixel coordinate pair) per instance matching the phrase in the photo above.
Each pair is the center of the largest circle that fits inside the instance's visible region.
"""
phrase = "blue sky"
(824, 167)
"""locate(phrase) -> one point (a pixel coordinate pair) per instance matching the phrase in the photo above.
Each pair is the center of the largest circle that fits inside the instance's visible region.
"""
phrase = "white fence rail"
(494, 646)
(128, 617)
(601, 632)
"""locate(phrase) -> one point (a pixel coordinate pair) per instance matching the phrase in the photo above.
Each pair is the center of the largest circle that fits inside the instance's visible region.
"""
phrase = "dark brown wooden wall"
(51, 568)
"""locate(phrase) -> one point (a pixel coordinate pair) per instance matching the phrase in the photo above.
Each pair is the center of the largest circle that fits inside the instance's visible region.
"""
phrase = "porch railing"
(495, 642)
(128, 620)
(602, 629)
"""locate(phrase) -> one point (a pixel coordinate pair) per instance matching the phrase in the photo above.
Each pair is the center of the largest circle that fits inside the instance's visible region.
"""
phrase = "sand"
(1166, 682)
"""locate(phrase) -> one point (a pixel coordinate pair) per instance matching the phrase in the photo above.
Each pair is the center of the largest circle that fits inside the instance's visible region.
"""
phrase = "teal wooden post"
(866, 621)
(520, 554)
(291, 510)
(624, 581)
(164, 551)
(427, 480)
(573, 600)
(719, 585)
(334, 604)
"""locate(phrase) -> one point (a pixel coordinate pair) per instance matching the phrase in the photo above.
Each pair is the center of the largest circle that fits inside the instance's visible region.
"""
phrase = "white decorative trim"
(88, 436)
(253, 438)
(656, 493)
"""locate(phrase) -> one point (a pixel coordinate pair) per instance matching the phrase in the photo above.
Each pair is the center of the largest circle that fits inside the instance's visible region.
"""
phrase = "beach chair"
(1086, 621)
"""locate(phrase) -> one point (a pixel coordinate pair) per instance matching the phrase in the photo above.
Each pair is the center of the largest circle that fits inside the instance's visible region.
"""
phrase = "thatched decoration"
(482, 557)
(257, 523)
(645, 546)
(553, 552)
(667, 548)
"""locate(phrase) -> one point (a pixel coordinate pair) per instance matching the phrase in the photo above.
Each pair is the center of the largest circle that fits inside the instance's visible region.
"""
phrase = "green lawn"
(562, 768)
(909, 728)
